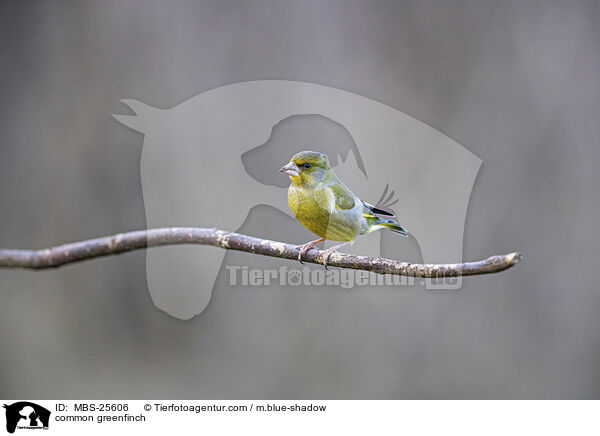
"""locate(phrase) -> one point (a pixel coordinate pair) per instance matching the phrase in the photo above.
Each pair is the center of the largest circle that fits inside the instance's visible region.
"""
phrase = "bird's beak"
(291, 169)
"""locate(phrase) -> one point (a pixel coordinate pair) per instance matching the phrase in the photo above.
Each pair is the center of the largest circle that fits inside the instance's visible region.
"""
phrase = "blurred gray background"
(517, 83)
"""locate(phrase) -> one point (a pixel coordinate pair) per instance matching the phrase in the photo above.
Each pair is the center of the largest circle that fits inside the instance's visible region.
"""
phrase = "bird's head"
(308, 168)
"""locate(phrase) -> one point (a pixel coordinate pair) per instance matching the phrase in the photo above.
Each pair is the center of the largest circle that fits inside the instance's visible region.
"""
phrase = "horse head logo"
(209, 160)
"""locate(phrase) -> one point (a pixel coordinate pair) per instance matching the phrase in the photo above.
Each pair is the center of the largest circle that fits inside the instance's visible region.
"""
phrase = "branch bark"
(124, 242)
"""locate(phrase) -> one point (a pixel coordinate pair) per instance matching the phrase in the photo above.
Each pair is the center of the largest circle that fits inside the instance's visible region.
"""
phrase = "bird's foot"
(327, 253)
(305, 247)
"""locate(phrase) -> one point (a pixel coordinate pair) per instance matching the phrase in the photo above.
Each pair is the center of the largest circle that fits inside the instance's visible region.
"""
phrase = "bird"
(328, 208)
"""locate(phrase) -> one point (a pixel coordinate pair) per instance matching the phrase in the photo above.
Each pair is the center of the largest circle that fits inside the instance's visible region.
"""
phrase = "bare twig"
(123, 242)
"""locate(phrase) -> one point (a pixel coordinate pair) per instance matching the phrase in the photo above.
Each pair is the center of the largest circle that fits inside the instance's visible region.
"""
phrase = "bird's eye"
(307, 165)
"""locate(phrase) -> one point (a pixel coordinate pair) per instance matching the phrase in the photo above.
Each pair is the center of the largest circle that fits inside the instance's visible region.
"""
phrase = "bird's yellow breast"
(315, 209)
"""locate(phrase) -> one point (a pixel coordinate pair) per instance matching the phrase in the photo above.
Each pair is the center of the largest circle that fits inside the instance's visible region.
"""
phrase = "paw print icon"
(294, 277)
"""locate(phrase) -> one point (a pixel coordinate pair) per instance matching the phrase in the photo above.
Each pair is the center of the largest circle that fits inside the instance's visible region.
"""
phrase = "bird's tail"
(375, 222)
(393, 226)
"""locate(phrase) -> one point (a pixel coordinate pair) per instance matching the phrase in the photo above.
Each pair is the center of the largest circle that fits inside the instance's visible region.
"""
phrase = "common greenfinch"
(326, 207)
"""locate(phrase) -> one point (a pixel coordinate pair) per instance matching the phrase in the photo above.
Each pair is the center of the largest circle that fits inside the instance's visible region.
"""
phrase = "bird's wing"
(344, 198)
(376, 210)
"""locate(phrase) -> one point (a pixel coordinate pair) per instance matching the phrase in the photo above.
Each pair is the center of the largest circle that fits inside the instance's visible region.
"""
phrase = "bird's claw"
(304, 248)
(302, 251)
(326, 256)
(327, 253)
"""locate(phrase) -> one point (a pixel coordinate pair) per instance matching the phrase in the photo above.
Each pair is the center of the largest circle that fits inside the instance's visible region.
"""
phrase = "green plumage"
(325, 206)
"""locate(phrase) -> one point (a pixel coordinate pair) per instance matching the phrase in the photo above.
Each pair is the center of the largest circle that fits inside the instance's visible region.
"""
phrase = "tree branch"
(124, 242)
